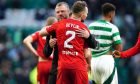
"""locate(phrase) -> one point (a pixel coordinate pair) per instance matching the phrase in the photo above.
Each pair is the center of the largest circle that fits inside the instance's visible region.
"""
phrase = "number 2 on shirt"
(72, 33)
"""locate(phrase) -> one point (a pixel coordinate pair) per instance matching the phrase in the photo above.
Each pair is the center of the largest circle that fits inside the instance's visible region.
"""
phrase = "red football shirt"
(132, 51)
(40, 43)
(70, 46)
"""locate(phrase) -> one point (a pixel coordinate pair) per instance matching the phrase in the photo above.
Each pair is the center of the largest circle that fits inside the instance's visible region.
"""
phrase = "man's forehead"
(62, 7)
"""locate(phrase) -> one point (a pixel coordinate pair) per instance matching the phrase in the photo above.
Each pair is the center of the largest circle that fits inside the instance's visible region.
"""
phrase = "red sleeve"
(51, 28)
(35, 36)
(132, 51)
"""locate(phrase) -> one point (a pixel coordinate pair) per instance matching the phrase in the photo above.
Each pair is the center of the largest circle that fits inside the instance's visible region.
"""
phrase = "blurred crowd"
(19, 18)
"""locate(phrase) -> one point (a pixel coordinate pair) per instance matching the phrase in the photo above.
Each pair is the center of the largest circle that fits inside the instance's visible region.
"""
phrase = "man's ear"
(110, 14)
(80, 14)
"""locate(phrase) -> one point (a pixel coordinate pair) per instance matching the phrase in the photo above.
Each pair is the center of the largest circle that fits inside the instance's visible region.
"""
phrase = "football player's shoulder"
(93, 23)
(113, 26)
(82, 24)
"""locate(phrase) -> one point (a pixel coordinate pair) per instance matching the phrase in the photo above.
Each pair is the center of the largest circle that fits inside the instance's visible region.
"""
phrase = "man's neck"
(106, 18)
(75, 17)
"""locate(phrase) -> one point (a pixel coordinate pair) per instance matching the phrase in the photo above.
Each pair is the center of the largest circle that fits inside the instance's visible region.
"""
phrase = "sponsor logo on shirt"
(70, 53)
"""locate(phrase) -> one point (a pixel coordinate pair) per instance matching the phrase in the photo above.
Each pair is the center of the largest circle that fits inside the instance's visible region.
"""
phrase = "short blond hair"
(63, 3)
(51, 20)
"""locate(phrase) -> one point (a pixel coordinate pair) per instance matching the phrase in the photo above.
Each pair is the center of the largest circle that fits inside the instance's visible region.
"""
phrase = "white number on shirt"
(72, 33)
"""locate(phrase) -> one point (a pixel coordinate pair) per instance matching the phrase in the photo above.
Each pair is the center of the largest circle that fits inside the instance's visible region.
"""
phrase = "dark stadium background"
(19, 18)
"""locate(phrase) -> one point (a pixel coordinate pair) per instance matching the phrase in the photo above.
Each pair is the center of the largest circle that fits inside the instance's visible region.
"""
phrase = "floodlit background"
(19, 18)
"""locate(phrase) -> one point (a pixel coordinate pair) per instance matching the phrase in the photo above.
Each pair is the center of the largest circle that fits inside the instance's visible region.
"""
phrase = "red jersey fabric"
(69, 76)
(132, 51)
(40, 43)
(70, 46)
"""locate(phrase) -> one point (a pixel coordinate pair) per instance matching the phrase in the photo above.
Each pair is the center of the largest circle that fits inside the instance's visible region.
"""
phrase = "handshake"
(116, 54)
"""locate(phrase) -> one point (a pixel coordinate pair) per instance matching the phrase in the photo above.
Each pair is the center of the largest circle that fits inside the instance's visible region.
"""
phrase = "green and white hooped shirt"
(107, 34)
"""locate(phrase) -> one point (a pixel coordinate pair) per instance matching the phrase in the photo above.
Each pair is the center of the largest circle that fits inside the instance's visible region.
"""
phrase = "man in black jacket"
(61, 12)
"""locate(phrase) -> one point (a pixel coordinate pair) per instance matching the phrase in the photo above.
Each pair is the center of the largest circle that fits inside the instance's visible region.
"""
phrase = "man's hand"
(82, 33)
(52, 42)
(117, 54)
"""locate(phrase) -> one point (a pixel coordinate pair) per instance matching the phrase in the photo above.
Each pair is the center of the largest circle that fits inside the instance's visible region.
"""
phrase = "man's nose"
(60, 13)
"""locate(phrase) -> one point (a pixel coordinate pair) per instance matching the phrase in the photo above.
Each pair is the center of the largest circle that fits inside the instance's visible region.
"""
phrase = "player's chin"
(62, 17)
